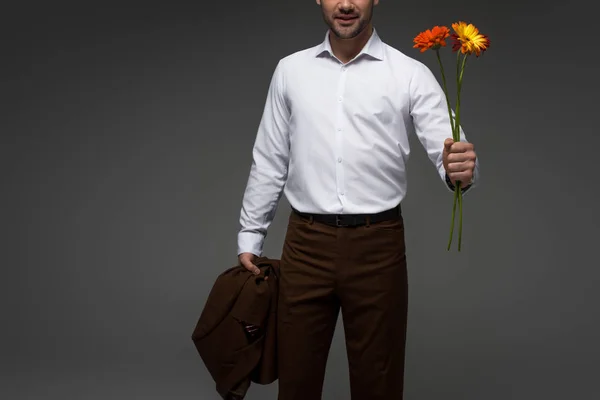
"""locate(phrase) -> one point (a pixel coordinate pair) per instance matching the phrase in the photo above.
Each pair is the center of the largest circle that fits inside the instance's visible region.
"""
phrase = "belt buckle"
(338, 221)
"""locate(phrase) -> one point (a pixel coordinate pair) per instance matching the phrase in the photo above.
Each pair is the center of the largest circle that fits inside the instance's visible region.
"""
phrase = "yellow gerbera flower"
(468, 39)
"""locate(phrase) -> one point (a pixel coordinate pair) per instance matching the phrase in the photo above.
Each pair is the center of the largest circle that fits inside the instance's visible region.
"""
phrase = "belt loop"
(368, 221)
(311, 219)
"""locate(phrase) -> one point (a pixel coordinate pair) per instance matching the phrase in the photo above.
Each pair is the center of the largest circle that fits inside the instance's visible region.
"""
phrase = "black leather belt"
(350, 220)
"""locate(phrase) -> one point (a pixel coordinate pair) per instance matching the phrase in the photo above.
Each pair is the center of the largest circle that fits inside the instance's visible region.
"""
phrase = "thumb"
(250, 266)
(448, 143)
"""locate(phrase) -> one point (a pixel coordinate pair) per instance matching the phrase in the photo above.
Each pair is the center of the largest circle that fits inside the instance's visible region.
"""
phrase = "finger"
(461, 156)
(448, 143)
(454, 167)
(461, 147)
(457, 158)
(251, 267)
(461, 166)
(460, 176)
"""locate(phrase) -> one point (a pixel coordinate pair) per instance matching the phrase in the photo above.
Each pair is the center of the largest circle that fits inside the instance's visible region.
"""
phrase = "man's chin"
(346, 32)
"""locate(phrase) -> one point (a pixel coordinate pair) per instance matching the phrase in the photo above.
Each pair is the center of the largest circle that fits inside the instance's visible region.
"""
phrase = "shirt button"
(340, 99)
(339, 159)
(339, 129)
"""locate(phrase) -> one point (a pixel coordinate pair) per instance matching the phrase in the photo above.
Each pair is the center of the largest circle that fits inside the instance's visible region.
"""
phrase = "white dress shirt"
(334, 137)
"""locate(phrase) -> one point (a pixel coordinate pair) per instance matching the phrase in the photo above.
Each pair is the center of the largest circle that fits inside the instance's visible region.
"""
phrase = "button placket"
(339, 141)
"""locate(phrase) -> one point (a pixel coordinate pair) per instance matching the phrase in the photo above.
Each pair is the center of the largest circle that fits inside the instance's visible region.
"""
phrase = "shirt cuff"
(250, 242)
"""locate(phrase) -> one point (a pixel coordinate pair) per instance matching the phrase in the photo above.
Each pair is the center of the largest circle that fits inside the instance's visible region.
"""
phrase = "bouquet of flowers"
(467, 39)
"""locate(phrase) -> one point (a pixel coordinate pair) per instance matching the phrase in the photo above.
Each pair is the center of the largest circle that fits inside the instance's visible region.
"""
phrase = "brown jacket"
(236, 334)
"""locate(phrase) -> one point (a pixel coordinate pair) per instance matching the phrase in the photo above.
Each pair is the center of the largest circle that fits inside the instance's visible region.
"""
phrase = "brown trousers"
(360, 270)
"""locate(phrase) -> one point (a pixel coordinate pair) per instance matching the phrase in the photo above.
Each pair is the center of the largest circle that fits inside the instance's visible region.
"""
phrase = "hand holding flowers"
(458, 157)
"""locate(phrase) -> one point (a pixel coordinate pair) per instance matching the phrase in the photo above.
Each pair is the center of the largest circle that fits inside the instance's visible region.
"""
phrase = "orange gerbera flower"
(468, 39)
(431, 38)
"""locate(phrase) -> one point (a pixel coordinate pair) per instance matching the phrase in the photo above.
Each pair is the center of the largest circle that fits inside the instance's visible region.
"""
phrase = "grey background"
(126, 144)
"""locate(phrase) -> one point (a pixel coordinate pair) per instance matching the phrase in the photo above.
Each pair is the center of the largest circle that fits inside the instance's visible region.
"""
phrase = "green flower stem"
(460, 220)
(459, 79)
(445, 87)
(453, 213)
(453, 125)
(460, 69)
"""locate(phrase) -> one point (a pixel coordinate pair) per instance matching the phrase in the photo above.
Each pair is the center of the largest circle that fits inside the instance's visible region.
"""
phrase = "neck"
(346, 49)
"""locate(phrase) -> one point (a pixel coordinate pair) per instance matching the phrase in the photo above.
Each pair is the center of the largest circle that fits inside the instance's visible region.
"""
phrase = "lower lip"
(346, 21)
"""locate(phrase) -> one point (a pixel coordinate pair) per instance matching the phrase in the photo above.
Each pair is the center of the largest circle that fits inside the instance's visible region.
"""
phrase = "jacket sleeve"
(429, 113)
(268, 172)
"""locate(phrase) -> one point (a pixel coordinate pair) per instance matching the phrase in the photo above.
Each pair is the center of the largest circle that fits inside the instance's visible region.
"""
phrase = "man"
(334, 139)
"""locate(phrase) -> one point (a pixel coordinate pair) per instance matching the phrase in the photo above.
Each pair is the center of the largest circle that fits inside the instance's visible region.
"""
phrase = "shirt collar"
(373, 47)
